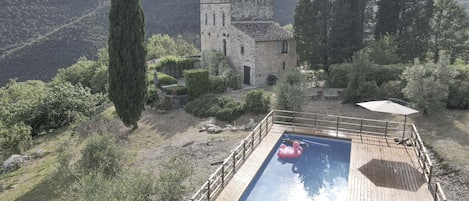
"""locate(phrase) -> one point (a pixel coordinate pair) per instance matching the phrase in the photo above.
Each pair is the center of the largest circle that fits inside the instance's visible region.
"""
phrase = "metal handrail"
(218, 180)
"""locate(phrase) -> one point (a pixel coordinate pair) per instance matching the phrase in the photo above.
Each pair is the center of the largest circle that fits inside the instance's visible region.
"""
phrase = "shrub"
(16, 138)
(338, 75)
(458, 96)
(218, 65)
(217, 85)
(289, 92)
(220, 107)
(20, 102)
(164, 79)
(100, 80)
(102, 155)
(232, 79)
(197, 82)
(428, 85)
(125, 186)
(361, 86)
(152, 94)
(66, 103)
(172, 174)
(385, 73)
(257, 102)
(392, 89)
(81, 72)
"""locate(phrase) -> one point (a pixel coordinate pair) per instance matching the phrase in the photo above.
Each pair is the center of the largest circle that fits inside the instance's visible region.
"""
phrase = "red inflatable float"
(290, 152)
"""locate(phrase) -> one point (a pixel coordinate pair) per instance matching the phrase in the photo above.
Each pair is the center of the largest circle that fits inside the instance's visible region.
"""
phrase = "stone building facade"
(244, 30)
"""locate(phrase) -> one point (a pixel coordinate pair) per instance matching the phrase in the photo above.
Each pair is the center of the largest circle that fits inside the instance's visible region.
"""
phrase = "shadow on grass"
(170, 123)
(42, 191)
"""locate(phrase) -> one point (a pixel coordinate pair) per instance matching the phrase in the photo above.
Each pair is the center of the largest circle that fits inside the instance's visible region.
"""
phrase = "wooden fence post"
(315, 120)
(337, 127)
(208, 190)
(223, 175)
(244, 150)
(234, 161)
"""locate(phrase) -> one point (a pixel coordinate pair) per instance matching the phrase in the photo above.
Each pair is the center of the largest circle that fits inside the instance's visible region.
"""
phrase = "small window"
(242, 50)
(214, 19)
(284, 47)
(223, 19)
(206, 19)
(284, 65)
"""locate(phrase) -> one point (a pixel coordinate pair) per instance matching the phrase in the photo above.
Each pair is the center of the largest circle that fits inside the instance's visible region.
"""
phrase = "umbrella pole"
(403, 131)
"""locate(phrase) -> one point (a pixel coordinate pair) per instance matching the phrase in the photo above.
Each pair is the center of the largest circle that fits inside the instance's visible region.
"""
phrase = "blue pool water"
(320, 174)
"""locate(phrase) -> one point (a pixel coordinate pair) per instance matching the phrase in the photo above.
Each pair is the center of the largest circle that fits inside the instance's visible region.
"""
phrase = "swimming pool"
(320, 173)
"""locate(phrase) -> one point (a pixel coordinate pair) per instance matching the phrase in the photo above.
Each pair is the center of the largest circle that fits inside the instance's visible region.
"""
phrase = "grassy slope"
(31, 182)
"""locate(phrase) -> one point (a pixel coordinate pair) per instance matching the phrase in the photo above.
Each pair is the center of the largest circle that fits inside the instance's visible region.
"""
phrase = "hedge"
(339, 78)
(217, 84)
(163, 79)
(178, 89)
(173, 60)
(197, 82)
(220, 107)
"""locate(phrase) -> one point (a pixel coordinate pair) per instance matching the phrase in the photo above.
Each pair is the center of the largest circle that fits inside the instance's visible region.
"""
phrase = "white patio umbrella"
(388, 106)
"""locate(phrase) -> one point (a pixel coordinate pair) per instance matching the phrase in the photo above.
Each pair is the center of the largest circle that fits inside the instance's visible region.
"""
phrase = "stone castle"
(244, 30)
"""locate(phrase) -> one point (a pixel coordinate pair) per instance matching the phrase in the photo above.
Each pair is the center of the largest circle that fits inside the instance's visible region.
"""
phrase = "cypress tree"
(127, 66)
(387, 18)
(414, 30)
(347, 29)
(312, 27)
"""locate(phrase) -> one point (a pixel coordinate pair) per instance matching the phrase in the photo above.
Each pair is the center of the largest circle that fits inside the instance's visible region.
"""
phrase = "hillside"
(40, 36)
(37, 37)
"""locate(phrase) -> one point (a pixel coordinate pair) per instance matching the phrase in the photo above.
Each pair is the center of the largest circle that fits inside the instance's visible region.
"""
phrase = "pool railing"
(351, 125)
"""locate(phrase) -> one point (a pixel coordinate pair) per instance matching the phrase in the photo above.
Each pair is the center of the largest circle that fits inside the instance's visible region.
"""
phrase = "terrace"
(380, 169)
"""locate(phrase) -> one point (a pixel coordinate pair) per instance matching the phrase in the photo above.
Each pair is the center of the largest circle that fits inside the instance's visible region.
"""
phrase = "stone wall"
(269, 60)
(237, 40)
(252, 10)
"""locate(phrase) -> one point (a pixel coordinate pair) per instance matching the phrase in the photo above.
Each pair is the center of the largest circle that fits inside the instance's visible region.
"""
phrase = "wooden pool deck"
(380, 170)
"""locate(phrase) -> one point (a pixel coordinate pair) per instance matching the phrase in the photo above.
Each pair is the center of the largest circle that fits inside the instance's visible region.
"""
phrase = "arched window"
(285, 46)
(224, 47)
(206, 19)
(214, 19)
(223, 19)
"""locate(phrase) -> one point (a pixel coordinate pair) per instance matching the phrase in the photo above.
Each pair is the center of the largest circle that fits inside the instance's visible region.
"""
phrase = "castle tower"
(244, 30)
(215, 18)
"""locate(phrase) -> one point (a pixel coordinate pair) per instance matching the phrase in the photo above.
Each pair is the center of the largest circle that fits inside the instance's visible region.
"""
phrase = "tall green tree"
(312, 28)
(450, 26)
(347, 32)
(428, 84)
(414, 30)
(127, 66)
(164, 45)
(384, 50)
(387, 18)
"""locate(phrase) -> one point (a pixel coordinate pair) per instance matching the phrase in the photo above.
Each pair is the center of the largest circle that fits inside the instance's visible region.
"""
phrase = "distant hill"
(37, 37)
